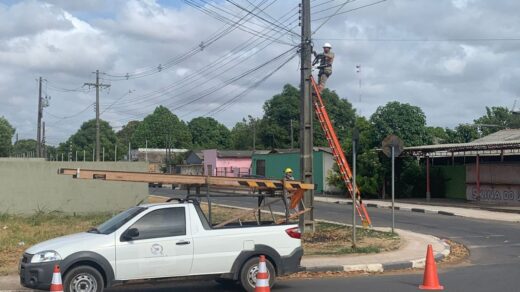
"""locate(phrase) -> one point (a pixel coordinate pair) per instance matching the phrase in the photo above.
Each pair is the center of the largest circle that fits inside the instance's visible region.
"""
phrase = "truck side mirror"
(130, 234)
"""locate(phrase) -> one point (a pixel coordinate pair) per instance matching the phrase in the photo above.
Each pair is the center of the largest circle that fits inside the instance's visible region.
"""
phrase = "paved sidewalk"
(435, 209)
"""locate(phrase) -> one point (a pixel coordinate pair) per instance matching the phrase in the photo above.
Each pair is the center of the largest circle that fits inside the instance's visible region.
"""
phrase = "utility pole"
(43, 147)
(306, 139)
(97, 85)
(254, 136)
(42, 102)
(292, 135)
(40, 114)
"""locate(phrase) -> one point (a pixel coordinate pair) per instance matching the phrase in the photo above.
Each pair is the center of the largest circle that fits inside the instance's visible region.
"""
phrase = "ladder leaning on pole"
(337, 151)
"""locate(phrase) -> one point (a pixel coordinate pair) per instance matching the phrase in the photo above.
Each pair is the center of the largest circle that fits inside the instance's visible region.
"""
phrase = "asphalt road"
(494, 260)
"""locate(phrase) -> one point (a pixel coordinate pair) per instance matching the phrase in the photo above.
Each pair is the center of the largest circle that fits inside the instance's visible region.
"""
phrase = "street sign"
(396, 142)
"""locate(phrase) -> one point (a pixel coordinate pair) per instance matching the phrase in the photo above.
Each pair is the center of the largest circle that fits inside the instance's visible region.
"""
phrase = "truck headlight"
(45, 256)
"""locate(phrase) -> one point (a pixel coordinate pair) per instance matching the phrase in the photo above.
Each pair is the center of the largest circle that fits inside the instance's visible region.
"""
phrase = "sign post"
(355, 140)
(393, 146)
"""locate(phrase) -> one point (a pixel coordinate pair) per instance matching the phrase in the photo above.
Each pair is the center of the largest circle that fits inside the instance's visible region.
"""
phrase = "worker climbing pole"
(325, 60)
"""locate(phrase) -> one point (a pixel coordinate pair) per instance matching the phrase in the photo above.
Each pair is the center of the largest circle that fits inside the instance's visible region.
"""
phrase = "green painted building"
(273, 164)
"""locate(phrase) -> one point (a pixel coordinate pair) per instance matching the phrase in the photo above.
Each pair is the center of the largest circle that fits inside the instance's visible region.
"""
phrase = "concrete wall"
(29, 185)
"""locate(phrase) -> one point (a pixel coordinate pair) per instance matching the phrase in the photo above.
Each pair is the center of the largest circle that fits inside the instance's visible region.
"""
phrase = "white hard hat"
(327, 45)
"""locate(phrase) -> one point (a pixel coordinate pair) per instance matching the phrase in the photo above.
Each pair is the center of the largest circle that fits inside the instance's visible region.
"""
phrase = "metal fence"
(232, 171)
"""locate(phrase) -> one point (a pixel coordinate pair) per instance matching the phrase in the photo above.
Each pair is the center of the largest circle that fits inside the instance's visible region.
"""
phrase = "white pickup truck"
(165, 240)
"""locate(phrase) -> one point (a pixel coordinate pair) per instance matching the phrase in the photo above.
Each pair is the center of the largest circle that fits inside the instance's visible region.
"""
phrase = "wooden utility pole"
(97, 85)
(39, 126)
(43, 148)
(306, 139)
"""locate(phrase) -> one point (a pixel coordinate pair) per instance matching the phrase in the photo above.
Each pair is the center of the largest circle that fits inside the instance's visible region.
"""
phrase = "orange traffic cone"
(56, 285)
(430, 279)
(262, 278)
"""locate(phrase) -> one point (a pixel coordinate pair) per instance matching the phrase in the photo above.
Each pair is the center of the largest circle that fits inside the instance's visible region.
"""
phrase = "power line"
(147, 71)
(199, 74)
(233, 100)
(227, 20)
(117, 100)
(340, 6)
(350, 10)
(262, 18)
(53, 87)
(60, 118)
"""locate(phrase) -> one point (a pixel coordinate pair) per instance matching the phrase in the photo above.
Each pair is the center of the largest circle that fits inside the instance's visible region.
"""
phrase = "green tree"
(438, 135)
(243, 133)
(125, 134)
(6, 136)
(370, 171)
(463, 133)
(275, 127)
(162, 129)
(85, 140)
(496, 119)
(24, 146)
(404, 120)
(282, 108)
(208, 133)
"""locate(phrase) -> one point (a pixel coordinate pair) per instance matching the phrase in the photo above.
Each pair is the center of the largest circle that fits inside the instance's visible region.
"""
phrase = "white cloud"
(65, 41)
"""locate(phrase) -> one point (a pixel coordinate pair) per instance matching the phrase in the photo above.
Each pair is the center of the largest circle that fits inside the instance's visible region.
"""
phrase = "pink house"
(227, 162)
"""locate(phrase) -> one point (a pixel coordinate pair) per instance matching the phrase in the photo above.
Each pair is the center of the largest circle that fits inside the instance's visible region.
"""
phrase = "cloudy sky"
(450, 57)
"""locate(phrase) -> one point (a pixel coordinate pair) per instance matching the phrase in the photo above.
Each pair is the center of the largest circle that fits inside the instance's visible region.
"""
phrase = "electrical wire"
(226, 105)
(60, 118)
(262, 18)
(350, 10)
(223, 60)
(340, 6)
(147, 71)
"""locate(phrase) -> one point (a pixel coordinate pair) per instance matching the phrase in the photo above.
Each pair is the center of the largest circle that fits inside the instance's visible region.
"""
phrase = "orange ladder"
(337, 152)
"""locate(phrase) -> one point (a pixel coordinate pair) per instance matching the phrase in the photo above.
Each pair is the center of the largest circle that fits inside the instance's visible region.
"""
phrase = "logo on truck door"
(157, 249)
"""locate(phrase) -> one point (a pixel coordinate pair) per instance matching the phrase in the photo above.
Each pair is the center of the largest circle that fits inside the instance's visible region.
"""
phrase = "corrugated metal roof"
(503, 135)
(460, 147)
(499, 141)
(234, 153)
(297, 150)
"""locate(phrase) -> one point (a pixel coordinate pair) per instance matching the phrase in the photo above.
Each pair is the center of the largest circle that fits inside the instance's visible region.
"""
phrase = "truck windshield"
(117, 221)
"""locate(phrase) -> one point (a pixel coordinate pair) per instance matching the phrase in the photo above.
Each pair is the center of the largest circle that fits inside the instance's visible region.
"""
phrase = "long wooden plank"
(245, 213)
(146, 177)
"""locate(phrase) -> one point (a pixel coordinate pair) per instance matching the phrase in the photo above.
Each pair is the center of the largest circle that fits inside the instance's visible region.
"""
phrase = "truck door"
(160, 247)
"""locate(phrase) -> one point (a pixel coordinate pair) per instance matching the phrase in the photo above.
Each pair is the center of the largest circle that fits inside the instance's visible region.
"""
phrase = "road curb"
(379, 206)
(383, 267)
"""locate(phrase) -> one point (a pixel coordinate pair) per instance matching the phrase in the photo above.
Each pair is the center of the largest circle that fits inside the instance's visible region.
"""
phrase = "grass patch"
(17, 233)
(333, 239)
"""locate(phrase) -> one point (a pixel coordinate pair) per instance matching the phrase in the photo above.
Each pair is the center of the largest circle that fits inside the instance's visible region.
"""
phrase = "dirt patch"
(459, 254)
(333, 239)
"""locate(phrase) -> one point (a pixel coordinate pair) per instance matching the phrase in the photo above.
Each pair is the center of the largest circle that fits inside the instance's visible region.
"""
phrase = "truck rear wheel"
(249, 271)
(83, 279)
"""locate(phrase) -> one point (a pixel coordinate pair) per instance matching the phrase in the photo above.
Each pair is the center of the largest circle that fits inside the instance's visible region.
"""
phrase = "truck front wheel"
(83, 279)
(249, 271)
